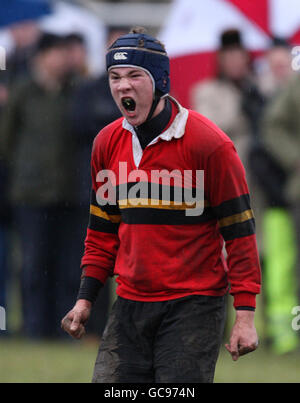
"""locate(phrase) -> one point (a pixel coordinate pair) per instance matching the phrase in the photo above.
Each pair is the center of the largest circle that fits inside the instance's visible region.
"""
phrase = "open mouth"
(129, 104)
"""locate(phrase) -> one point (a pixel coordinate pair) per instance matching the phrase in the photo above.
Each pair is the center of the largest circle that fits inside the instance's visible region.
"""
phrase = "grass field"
(72, 362)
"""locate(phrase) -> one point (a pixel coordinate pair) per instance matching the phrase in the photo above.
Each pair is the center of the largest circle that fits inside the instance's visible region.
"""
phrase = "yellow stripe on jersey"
(159, 204)
(236, 218)
(97, 211)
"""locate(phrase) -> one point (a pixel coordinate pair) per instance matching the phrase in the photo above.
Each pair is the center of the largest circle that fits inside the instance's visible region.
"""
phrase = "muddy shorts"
(175, 341)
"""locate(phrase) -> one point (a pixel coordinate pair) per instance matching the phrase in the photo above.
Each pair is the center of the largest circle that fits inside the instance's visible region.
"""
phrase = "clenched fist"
(243, 338)
(75, 320)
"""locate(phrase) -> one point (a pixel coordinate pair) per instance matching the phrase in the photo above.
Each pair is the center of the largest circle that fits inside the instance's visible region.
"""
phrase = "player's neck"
(152, 128)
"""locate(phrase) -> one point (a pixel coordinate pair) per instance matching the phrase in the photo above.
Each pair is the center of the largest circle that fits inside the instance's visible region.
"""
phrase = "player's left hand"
(243, 337)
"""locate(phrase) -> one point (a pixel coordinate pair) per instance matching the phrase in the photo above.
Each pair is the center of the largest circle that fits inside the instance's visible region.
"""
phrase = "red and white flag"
(192, 31)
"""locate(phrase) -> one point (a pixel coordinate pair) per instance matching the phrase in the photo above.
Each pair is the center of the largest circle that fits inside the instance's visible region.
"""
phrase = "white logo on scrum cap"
(120, 56)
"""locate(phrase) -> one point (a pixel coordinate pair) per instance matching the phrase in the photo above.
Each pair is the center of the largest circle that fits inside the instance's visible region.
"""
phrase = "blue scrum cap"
(144, 51)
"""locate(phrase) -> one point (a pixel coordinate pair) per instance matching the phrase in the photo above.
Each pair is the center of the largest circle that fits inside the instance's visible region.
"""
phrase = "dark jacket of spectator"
(35, 143)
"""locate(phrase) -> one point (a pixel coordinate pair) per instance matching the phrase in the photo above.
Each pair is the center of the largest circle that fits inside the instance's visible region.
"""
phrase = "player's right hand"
(73, 323)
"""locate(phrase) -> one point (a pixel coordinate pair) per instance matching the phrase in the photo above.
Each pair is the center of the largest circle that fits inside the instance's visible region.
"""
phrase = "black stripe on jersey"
(157, 216)
(233, 206)
(235, 218)
(238, 230)
(99, 224)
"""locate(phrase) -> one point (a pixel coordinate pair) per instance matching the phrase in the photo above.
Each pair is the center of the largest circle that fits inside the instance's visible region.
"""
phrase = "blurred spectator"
(38, 150)
(281, 135)
(232, 101)
(77, 56)
(93, 108)
(4, 214)
(278, 70)
(275, 77)
(280, 132)
(25, 36)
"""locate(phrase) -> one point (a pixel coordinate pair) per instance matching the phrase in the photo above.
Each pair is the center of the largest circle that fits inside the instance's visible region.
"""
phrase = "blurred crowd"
(51, 109)
(257, 104)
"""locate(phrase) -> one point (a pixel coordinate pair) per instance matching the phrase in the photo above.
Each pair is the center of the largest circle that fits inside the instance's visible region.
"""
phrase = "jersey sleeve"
(102, 241)
(230, 200)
